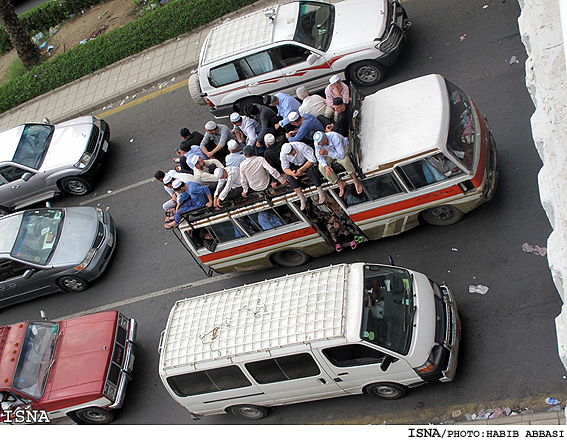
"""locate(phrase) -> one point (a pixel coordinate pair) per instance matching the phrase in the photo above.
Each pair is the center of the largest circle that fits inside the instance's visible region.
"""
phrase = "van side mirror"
(312, 59)
(27, 176)
(388, 360)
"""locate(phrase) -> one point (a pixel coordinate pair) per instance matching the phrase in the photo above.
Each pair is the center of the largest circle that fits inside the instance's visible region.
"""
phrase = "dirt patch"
(94, 22)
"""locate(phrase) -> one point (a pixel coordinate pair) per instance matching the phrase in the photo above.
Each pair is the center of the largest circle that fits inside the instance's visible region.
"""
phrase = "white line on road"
(120, 190)
(151, 295)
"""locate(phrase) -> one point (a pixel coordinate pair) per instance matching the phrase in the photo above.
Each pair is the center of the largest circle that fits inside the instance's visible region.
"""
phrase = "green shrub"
(164, 23)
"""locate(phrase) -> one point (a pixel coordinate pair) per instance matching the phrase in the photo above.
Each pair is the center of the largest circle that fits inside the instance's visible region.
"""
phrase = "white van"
(335, 331)
(297, 43)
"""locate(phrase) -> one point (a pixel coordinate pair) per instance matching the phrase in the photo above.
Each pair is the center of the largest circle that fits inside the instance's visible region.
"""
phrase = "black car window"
(10, 269)
(12, 173)
(290, 54)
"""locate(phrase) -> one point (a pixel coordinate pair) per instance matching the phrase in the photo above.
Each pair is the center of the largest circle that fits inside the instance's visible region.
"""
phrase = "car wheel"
(366, 73)
(387, 391)
(442, 215)
(72, 284)
(250, 412)
(75, 186)
(4, 211)
(195, 90)
(95, 415)
(290, 258)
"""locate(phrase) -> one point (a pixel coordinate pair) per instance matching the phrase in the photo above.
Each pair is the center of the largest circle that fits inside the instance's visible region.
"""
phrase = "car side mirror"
(27, 176)
(388, 360)
(28, 273)
(46, 121)
(313, 58)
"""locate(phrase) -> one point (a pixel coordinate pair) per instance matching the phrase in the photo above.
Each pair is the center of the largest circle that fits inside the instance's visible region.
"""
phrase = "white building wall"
(541, 23)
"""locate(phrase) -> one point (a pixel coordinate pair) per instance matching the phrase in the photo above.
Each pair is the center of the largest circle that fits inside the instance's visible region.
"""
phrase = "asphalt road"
(509, 348)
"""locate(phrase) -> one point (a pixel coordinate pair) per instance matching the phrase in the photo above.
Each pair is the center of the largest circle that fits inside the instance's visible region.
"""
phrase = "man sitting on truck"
(331, 147)
(204, 170)
(285, 104)
(245, 129)
(255, 172)
(344, 118)
(305, 127)
(297, 159)
(215, 139)
(313, 104)
(189, 197)
(229, 186)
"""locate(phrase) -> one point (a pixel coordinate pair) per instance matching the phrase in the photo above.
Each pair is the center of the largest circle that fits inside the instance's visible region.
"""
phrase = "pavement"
(165, 65)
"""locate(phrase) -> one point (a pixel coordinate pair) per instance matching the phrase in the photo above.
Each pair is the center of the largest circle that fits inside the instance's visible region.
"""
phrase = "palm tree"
(27, 50)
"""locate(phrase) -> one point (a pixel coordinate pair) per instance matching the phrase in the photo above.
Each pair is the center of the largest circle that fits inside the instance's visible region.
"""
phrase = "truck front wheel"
(387, 391)
(95, 415)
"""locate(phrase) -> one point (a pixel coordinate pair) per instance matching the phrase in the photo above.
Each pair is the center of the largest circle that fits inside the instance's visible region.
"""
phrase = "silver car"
(48, 249)
(39, 161)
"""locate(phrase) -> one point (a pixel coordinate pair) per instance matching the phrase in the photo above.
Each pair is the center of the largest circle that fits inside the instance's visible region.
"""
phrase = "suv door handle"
(322, 380)
(289, 74)
(253, 84)
(15, 186)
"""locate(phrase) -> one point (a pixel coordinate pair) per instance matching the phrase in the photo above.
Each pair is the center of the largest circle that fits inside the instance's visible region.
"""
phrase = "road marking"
(113, 192)
(143, 99)
(151, 295)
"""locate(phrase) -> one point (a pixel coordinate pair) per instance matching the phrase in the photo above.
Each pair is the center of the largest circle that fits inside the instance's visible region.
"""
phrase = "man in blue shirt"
(190, 196)
(285, 104)
(306, 126)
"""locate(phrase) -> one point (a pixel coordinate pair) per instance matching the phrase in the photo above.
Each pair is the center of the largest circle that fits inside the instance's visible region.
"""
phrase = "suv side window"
(10, 268)
(285, 368)
(290, 54)
(223, 75)
(11, 173)
(212, 380)
(257, 64)
(353, 355)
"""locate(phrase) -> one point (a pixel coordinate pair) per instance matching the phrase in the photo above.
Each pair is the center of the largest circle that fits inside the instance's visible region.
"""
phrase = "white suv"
(298, 43)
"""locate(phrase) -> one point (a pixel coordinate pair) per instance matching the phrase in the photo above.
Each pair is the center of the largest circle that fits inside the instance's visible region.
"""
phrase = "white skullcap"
(232, 145)
(269, 139)
(301, 92)
(167, 179)
(293, 116)
(218, 172)
(334, 79)
(318, 137)
(194, 159)
(286, 148)
(235, 117)
(211, 125)
(177, 184)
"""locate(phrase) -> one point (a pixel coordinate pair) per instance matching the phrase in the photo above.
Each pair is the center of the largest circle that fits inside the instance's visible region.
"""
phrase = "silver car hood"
(77, 236)
(68, 143)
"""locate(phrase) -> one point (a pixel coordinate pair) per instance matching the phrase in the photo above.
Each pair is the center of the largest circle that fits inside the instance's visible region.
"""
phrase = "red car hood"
(82, 356)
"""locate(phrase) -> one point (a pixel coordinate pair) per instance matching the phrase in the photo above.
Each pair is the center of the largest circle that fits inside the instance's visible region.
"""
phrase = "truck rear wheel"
(387, 391)
(290, 258)
(250, 412)
(443, 215)
(95, 415)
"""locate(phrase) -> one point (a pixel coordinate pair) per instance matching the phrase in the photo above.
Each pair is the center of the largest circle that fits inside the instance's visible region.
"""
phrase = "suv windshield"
(36, 358)
(315, 25)
(38, 235)
(387, 310)
(462, 129)
(33, 145)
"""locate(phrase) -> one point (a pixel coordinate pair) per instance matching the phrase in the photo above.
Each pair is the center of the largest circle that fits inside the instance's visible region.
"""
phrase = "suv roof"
(251, 31)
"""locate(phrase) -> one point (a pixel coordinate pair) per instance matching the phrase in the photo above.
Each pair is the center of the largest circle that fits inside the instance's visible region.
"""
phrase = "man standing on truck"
(298, 159)
(331, 147)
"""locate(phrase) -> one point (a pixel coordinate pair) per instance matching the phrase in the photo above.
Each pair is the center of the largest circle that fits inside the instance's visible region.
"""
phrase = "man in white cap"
(267, 119)
(245, 129)
(331, 147)
(273, 148)
(285, 104)
(235, 157)
(255, 173)
(306, 125)
(336, 88)
(184, 154)
(313, 104)
(203, 170)
(166, 179)
(189, 197)
(297, 159)
(215, 139)
(229, 186)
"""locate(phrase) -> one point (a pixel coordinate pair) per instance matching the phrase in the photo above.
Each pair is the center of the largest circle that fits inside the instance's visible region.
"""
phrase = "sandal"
(338, 247)
(353, 244)
(169, 213)
(169, 226)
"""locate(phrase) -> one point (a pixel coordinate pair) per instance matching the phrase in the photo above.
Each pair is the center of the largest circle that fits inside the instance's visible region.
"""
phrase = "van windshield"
(462, 128)
(315, 25)
(388, 309)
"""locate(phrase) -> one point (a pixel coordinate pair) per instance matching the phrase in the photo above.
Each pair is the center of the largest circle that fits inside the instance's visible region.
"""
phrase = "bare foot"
(342, 186)
(358, 186)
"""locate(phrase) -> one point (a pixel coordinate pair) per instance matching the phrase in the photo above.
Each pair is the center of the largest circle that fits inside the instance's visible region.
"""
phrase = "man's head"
(179, 186)
(252, 110)
(236, 119)
(194, 161)
(335, 79)
(271, 100)
(248, 151)
(211, 127)
(269, 139)
(220, 173)
(159, 175)
(320, 138)
(295, 119)
(232, 146)
(338, 104)
(185, 133)
(287, 149)
(302, 92)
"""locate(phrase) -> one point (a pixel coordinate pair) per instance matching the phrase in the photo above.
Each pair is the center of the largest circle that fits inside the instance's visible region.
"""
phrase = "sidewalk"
(173, 58)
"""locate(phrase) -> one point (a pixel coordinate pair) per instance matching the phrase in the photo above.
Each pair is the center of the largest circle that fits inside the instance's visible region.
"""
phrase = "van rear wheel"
(250, 412)
(95, 415)
(387, 391)
(290, 258)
